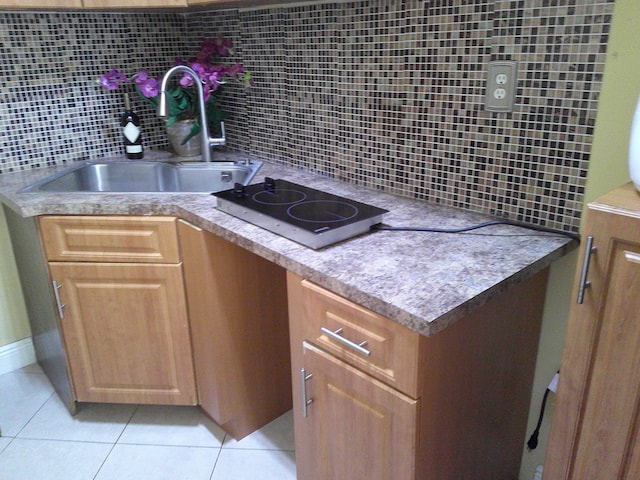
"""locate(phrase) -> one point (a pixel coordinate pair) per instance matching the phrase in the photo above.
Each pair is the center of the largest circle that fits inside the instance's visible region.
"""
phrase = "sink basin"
(138, 177)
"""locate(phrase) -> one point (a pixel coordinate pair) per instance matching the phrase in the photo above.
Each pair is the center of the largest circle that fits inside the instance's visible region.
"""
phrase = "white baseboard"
(17, 355)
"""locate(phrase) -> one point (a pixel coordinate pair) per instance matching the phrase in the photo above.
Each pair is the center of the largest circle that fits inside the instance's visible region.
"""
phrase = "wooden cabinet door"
(239, 320)
(356, 427)
(126, 332)
(595, 429)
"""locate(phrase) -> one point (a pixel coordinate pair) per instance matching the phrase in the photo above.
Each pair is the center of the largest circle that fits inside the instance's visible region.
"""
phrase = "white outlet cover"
(502, 83)
(499, 93)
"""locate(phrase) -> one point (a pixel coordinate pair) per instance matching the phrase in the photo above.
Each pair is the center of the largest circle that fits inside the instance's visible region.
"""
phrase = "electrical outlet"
(499, 94)
(501, 86)
(502, 78)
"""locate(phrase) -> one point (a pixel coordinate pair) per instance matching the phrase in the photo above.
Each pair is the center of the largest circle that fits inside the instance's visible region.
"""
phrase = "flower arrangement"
(183, 99)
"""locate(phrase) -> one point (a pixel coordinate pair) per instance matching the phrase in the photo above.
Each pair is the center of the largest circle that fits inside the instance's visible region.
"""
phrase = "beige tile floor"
(41, 441)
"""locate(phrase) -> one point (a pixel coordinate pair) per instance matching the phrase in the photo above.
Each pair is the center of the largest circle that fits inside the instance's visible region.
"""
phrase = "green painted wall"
(607, 170)
(620, 90)
(14, 324)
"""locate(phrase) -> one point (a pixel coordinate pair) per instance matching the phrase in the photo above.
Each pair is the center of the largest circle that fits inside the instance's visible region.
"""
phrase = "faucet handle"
(221, 140)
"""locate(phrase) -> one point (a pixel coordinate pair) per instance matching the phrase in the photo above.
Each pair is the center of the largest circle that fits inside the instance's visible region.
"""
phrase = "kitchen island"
(412, 353)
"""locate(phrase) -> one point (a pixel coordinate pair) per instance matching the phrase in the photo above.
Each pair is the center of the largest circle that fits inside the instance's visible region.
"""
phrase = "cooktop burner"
(308, 216)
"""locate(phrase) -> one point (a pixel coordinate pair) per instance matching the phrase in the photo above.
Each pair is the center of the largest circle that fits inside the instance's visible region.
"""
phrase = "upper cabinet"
(130, 4)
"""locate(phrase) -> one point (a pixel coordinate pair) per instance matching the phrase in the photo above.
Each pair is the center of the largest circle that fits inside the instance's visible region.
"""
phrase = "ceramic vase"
(177, 132)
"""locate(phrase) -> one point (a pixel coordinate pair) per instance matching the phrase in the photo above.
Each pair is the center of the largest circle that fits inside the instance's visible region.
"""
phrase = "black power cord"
(533, 440)
(573, 236)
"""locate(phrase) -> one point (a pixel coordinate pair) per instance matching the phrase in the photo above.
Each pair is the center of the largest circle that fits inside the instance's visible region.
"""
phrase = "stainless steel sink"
(139, 176)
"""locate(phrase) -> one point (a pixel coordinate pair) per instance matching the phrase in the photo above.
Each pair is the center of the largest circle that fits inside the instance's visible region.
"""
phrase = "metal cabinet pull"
(304, 376)
(57, 286)
(584, 283)
(337, 335)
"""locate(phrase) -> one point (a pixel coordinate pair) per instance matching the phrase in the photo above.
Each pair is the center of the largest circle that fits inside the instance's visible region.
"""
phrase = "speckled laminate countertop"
(424, 281)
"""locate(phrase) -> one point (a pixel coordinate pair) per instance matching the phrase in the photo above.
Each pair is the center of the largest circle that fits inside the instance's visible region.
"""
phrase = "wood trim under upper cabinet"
(39, 4)
(69, 238)
(109, 4)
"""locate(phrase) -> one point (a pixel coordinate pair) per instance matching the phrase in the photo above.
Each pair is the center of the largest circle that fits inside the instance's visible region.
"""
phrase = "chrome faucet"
(206, 141)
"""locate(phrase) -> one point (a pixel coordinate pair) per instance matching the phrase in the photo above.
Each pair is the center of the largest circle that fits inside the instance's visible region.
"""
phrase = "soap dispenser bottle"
(131, 134)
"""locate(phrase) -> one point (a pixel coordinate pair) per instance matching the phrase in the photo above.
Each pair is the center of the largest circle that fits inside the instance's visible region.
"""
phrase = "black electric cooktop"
(308, 216)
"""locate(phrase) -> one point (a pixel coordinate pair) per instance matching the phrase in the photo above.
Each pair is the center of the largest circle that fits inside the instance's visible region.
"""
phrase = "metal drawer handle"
(304, 376)
(57, 286)
(337, 335)
(584, 283)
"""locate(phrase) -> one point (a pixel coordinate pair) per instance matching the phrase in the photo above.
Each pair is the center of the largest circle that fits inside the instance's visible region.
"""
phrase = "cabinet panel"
(126, 332)
(473, 390)
(393, 349)
(110, 239)
(239, 320)
(614, 381)
(595, 427)
(357, 427)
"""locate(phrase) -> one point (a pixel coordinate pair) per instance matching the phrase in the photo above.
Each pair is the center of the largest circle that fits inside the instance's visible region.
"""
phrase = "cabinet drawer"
(384, 349)
(110, 239)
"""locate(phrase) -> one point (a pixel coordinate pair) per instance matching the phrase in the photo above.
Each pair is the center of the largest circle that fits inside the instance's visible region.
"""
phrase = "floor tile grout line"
(216, 461)
(61, 440)
(167, 445)
(17, 435)
(113, 445)
(108, 450)
(6, 446)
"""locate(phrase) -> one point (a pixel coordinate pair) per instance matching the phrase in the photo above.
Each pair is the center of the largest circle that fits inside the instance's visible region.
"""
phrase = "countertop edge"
(196, 209)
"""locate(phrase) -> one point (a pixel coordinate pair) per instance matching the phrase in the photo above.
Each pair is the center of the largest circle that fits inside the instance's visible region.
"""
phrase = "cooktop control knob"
(269, 184)
(239, 191)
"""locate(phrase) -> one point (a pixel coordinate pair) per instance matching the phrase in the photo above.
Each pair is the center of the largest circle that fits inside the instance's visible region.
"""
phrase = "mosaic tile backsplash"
(383, 93)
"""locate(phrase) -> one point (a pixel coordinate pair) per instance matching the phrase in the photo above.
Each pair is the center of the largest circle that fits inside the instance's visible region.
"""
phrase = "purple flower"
(223, 46)
(186, 80)
(235, 69)
(213, 77)
(141, 76)
(149, 87)
(210, 73)
(112, 80)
